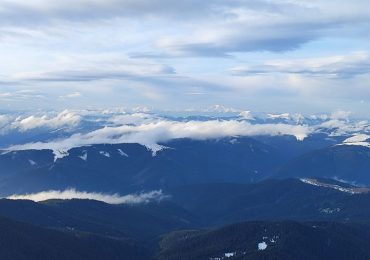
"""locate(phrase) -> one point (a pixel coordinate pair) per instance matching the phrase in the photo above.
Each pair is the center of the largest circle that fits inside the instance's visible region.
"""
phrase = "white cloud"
(340, 115)
(68, 194)
(247, 115)
(43, 10)
(340, 124)
(72, 95)
(83, 45)
(65, 118)
(116, 126)
(151, 134)
(344, 127)
(277, 26)
(357, 138)
(93, 67)
(5, 94)
(20, 95)
(135, 119)
(95, 9)
(344, 66)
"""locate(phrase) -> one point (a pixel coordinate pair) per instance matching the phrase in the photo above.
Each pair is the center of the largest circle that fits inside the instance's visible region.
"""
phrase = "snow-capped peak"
(279, 116)
(358, 139)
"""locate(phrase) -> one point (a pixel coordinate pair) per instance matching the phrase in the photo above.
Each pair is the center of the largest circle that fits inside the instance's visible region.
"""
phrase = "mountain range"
(144, 186)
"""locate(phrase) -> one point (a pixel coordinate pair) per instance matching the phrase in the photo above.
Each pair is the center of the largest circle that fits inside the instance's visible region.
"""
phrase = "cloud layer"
(311, 56)
(63, 119)
(331, 67)
(153, 134)
(60, 132)
(107, 198)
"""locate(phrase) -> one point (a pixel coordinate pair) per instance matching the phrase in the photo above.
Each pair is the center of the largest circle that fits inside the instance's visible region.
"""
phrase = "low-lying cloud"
(85, 128)
(153, 134)
(68, 194)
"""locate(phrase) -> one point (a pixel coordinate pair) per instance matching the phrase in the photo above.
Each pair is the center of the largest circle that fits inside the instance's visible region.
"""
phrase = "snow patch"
(106, 154)
(330, 210)
(83, 157)
(155, 148)
(58, 153)
(33, 163)
(122, 153)
(262, 245)
(228, 255)
(350, 190)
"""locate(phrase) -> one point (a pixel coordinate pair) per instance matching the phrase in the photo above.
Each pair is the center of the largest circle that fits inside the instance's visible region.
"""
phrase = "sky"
(281, 56)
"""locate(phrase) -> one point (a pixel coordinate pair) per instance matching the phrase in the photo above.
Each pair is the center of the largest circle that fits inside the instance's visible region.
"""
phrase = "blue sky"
(282, 56)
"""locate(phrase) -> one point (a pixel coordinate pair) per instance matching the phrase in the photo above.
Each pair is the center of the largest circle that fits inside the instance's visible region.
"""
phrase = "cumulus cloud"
(65, 118)
(152, 134)
(68, 194)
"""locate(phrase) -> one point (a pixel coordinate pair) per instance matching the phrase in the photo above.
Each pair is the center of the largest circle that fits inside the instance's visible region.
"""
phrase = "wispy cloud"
(41, 10)
(19, 95)
(69, 194)
(58, 48)
(80, 68)
(346, 66)
(72, 95)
